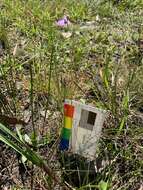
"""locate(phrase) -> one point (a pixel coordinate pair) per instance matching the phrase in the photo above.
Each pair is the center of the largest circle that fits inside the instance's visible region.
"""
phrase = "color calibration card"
(82, 128)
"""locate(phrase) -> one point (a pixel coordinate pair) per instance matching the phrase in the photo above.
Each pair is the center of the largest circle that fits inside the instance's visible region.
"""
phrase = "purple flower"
(63, 22)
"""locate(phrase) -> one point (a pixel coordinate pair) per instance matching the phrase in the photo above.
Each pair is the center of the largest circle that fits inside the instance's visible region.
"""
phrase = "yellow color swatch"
(68, 122)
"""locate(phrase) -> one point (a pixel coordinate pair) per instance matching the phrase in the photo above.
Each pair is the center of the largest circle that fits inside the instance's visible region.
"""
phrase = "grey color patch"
(87, 119)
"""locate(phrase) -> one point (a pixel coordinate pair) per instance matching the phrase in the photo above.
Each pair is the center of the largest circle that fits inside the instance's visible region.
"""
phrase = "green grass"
(39, 68)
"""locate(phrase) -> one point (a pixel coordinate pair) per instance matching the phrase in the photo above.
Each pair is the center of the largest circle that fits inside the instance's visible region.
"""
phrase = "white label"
(86, 129)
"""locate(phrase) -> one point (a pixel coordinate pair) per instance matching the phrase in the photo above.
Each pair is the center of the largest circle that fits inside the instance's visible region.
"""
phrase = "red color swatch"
(68, 110)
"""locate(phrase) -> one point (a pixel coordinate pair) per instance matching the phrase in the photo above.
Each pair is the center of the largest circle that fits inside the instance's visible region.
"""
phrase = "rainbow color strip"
(67, 129)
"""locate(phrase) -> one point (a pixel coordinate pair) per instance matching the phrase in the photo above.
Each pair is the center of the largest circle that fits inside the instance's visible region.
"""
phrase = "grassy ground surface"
(98, 60)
